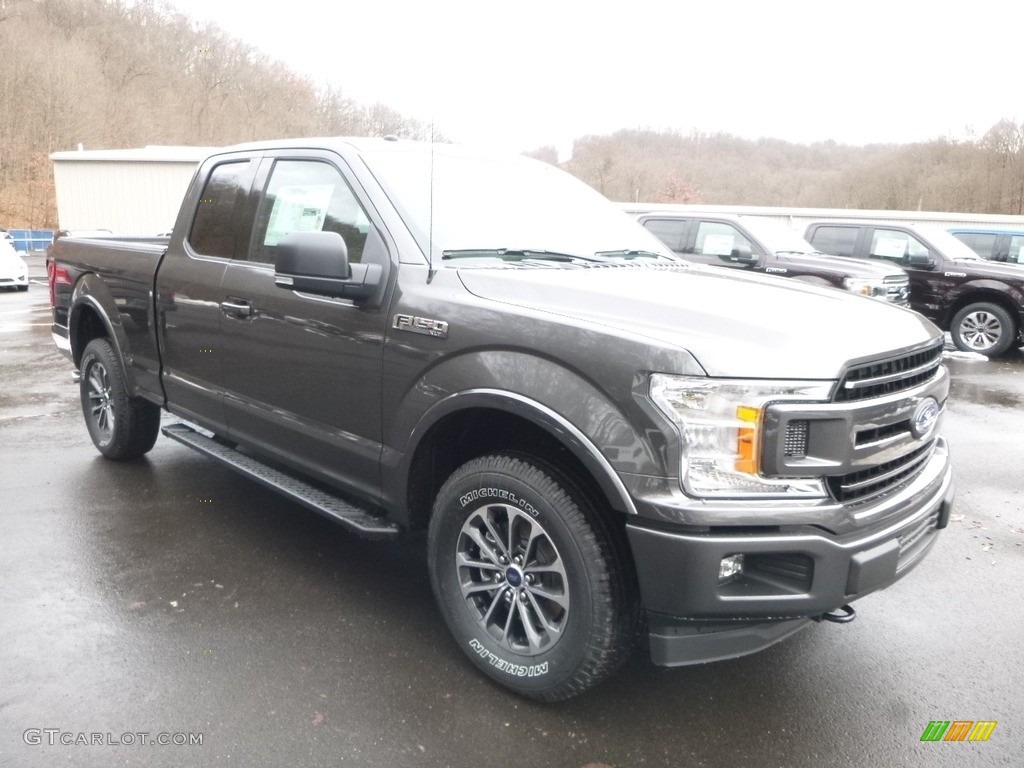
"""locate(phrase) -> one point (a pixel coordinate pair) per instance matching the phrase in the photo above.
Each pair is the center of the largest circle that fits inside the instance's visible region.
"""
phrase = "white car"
(13, 269)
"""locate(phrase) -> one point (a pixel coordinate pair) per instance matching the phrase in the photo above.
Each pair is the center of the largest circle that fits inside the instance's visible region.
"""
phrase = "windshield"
(776, 236)
(948, 244)
(479, 203)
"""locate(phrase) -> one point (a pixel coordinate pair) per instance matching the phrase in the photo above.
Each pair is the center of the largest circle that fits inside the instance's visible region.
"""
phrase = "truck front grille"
(887, 377)
(869, 483)
(897, 290)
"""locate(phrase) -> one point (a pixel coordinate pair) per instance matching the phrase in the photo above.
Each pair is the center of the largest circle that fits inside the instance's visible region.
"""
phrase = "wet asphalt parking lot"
(172, 598)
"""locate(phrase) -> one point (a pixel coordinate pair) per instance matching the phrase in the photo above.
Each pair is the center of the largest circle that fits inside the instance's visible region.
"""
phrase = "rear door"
(188, 290)
(303, 372)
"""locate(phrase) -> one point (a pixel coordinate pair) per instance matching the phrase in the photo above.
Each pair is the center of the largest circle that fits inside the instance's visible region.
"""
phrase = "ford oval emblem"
(925, 416)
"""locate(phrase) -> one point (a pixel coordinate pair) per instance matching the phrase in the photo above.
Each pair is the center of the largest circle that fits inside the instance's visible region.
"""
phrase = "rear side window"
(672, 232)
(982, 243)
(304, 196)
(215, 222)
(1016, 244)
(839, 241)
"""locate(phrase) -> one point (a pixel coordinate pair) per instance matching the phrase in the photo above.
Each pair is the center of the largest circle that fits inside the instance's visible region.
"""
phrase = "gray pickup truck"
(599, 438)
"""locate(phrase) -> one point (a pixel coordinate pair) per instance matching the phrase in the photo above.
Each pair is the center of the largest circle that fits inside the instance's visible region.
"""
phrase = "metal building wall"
(136, 197)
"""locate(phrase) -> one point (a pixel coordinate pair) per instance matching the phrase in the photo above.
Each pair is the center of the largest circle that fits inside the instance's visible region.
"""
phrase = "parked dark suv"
(993, 244)
(755, 244)
(980, 303)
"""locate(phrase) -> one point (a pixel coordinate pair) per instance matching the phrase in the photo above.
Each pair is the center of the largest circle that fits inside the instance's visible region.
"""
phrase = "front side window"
(215, 222)
(717, 239)
(308, 196)
(839, 241)
(894, 245)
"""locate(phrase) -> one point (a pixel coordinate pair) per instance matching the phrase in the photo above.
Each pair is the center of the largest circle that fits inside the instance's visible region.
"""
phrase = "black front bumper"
(789, 576)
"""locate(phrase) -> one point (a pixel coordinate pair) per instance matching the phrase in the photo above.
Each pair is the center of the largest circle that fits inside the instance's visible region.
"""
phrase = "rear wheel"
(529, 578)
(984, 327)
(121, 426)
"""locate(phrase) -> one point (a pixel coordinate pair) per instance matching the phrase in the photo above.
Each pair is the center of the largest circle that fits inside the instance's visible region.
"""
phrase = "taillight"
(56, 276)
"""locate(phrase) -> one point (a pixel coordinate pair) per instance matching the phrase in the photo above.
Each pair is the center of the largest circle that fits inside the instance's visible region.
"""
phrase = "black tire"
(121, 427)
(983, 327)
(572, 588)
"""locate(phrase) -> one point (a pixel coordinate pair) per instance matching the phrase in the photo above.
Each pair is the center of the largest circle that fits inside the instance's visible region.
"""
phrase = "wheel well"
(474, 432)
(990, 297)
(87, 326)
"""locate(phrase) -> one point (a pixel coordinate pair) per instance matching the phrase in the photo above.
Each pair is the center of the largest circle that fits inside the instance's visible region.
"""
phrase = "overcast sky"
(530, 73)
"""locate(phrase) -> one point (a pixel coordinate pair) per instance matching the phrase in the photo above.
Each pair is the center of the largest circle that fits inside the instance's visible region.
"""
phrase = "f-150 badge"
(424, 325)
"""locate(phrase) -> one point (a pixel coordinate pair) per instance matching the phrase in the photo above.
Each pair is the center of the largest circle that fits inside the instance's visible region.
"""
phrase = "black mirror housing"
(317, 262)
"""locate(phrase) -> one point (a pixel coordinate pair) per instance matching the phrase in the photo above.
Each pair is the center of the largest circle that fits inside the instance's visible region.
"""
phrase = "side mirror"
(317, 262)
(919, 261)
(742, 254)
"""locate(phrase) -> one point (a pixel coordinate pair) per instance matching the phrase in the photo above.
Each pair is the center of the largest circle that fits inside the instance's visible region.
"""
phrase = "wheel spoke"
(552, 629)
(465, 561)
(486, 517)
(559, 598)
(532, 636)
(481, 542)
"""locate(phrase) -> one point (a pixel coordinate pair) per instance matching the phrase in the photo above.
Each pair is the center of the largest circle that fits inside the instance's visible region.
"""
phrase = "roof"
(148, 154)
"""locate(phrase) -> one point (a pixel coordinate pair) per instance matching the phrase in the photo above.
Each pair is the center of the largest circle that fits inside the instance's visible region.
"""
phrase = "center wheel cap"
(513, 576)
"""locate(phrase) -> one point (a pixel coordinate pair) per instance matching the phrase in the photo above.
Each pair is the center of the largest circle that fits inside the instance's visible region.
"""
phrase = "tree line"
(113, 74)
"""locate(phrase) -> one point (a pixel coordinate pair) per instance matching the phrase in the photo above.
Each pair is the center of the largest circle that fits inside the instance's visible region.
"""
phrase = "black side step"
(360, 520)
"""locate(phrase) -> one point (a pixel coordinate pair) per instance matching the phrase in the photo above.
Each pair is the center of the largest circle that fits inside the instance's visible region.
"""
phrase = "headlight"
(861, 287)
(720, 429)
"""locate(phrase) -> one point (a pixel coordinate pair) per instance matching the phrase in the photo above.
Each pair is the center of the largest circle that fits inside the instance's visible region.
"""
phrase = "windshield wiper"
(627, 253)
(516, 254)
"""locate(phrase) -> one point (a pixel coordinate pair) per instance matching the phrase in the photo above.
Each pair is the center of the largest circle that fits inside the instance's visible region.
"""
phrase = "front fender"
(600, 422)
(555, 424)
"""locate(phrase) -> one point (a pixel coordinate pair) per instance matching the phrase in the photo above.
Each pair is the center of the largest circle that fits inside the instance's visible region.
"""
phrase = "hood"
(735, 325)
(858, 268)
(997, 270)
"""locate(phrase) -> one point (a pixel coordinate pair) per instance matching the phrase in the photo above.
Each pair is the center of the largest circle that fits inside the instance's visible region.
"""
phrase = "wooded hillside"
(126, 73)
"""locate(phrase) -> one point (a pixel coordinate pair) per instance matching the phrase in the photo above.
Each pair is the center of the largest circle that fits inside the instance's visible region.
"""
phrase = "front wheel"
(121, 426)
(985, 328)
(529, 578)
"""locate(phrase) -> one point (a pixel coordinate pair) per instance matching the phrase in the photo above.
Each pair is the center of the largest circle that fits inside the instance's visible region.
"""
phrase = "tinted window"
(672, 232)
(894, 245)
(981, 243)
(839, 241)
(717, 239)
(1016, 243)
(304, 196)
(214, 223)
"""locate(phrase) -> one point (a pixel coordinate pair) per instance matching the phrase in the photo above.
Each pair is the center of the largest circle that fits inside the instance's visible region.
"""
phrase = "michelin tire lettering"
(516, 670)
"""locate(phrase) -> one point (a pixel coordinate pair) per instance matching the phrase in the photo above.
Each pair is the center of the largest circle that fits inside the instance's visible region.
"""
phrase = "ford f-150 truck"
(754, 244)
(980, 303)
(596, 436)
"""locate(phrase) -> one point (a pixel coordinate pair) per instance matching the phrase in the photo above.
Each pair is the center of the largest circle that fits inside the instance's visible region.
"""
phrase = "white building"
(127, 191)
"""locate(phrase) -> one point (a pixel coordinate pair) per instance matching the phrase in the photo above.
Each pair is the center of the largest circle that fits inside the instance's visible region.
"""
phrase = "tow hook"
(843, 615)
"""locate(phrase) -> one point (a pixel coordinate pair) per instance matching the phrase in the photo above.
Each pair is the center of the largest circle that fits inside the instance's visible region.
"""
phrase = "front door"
(302, 372)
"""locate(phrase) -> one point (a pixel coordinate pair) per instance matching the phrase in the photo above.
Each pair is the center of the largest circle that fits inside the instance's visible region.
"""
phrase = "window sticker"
(890, 247)
(299, 208)
(718, 245)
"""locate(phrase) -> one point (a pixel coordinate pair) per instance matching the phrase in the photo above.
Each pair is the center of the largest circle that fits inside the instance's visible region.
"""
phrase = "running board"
(358, 519)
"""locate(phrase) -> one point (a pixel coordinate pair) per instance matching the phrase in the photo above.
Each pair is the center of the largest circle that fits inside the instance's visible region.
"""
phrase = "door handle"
(236, 308)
